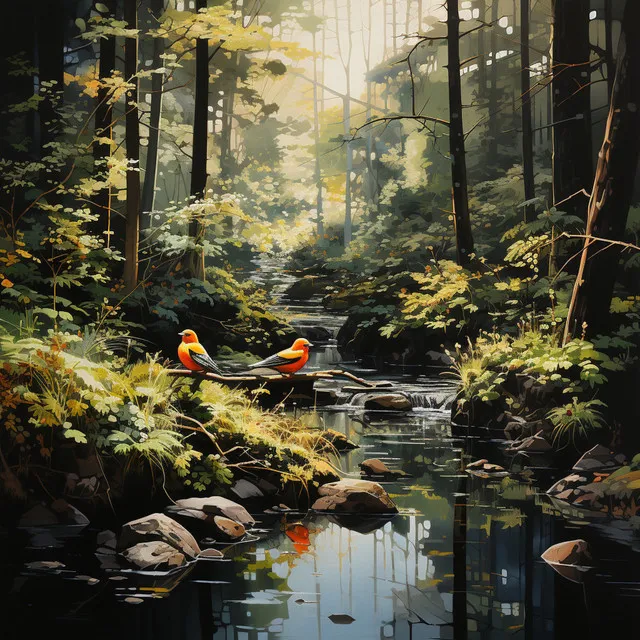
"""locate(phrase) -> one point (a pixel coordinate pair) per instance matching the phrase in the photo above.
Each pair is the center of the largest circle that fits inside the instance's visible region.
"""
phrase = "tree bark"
(612, 190)
(50, 43)
(460, 198)
(157, 80)
(316, 137)
(482, 56)
(572, 164)
(608, 27)
(132, 140)
(199, 159)
(492, 146)
(103, 129)
(525, 90)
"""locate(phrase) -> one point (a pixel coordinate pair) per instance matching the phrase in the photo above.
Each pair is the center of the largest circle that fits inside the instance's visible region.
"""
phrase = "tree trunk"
(103, 129)
(492, 146)
(132, 140)
(608, 27)
(50, 43)
(612, 190)
(199, 159)
(461, 218)
(525, 89)
(572, 164)
(157, 80)
(316, 137)
(482, 56)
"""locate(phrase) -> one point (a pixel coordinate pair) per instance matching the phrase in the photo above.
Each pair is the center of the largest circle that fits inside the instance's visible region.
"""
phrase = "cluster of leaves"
(83, 389)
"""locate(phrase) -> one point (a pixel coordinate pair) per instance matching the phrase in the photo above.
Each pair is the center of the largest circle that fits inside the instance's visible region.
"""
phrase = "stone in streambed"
(375, 467)
(393, 401)
(158, 527)
(532, 444)
(485, 469)
(598, 458)
(337, 440)
(354, 496)
(218, 506)
(154, 556)
(571, 559)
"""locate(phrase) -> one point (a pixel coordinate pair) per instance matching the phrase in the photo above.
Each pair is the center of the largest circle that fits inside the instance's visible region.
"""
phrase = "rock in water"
(354, 496)
(571, 559)
(218, 506)
(154, 556)
(341, 618)
(375, 467)
(599, 458)
(228, 528)
(395, 401)
(160, 527)
(337, 440)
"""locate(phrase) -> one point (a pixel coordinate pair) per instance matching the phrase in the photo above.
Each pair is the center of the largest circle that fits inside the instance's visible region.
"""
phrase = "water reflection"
(460, 560)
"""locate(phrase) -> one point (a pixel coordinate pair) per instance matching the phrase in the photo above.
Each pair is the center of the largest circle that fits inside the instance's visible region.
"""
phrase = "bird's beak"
(181, 333)
(310, 345)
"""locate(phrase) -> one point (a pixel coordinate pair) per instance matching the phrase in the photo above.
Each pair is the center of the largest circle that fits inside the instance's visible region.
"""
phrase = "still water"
(460, 560)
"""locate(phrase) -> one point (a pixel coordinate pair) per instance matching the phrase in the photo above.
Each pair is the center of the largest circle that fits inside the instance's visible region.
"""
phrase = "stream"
(460, 560)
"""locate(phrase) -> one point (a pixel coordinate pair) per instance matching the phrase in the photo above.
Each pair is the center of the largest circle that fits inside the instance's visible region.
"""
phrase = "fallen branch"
(314, 375)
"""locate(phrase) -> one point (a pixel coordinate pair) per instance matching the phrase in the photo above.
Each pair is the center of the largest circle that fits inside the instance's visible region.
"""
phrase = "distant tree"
(132, 143)
(103, 126)
(526, 98)
(460, 199)
(156, 8)
(612, 190)
(199, 158)
(570, 59)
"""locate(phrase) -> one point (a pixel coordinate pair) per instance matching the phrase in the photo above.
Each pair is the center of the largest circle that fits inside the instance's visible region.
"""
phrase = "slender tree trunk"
(525, 89)
(612, 190)
(199, 159)
(132, 140)
(157, 80)
(394, 25)
(608, 26)
(494, 117)
(316, 137)
(482, 56)
(50, 43)
(103, 130)
(572, 163)
(460, 198)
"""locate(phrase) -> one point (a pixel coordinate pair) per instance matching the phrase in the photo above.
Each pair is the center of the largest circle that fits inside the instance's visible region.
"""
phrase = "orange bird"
(289, 360)
(193, 355)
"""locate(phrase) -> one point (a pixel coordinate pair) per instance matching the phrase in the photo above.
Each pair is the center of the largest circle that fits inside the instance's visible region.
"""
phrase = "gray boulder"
(571, 559)
(158, 527)
(393, 401)
(154, 555)
(218, 506)
(375, 467)
(600, 457)
(354, 496)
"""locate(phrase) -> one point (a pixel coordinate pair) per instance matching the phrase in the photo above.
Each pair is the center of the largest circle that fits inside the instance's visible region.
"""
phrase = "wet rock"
(243, 489)
(532, 444)
(393, 401)
(598, 458)
(133, 600)
(438, 357)
(338, 440)
(89, 466)
(107, 539)
(341, 618)
(306, 288)
(485, 469)
(571, 487)
(228, 528)
(154, 556)
(158, 527)
(354, 496)
(375, 467)
(571, 559)
(59, 512)
(218, 506)
(45, 565)
(210, 554)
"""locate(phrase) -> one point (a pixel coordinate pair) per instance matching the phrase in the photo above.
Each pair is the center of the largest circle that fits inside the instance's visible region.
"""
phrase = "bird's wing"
(200, 356)
(288, 356)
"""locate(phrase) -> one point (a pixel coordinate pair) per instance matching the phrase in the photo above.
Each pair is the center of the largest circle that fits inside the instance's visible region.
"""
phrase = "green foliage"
(577, 418)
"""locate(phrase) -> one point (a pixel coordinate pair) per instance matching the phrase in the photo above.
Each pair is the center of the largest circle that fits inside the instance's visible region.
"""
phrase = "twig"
(314, 375)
